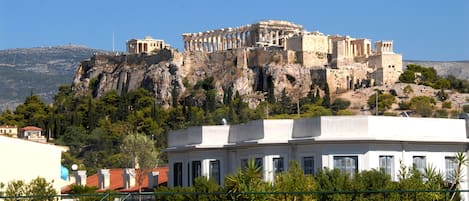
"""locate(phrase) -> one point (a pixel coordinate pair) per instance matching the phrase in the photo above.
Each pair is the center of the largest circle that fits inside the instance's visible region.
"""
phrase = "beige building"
(8, 130)
(26, 160)
(146, 45)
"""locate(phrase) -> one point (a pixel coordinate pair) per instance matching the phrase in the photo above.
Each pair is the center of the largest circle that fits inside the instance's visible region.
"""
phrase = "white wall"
(27, 160)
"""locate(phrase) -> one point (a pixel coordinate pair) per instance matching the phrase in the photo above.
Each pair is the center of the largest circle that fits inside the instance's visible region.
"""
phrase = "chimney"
(128, 178)
(103, 179)
(80, 177)
(153, 180)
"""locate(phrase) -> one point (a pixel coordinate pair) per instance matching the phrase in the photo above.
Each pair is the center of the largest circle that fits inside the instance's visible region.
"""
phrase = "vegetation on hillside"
(95, 129)
(428, 76)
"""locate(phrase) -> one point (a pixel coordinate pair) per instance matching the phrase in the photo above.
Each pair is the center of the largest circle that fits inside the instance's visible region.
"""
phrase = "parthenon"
(263, 33)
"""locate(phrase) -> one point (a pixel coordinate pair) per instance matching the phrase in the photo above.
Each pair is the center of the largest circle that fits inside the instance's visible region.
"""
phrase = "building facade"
(8, 130)
(32, 133)
(359, 143)
(26, 160)
(146, 45)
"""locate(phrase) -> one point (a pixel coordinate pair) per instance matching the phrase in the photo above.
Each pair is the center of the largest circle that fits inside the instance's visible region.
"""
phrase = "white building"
(26, 160)
(349, 143)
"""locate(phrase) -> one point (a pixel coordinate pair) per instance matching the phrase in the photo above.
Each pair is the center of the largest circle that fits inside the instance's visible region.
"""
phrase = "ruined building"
(344, 62)
(146, 45)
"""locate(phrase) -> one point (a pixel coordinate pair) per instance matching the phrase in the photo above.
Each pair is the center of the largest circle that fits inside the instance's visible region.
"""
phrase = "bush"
(446, 105)
(340, 104)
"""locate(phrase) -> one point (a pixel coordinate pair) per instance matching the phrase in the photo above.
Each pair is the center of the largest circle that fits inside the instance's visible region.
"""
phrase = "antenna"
(113, 41)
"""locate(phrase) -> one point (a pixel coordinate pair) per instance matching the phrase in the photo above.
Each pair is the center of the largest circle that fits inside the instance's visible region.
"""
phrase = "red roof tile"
(31, 128)
(117, 183)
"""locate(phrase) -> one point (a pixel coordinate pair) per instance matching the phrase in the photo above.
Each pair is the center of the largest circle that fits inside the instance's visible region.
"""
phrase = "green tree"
(327, 97)
(408, 90)
(423, 105)
(340, 104)
(385, 101)
(37, 189)
(294, 180)
(141, 154)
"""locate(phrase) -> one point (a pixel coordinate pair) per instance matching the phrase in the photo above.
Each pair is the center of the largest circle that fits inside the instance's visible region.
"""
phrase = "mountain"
(38, 70)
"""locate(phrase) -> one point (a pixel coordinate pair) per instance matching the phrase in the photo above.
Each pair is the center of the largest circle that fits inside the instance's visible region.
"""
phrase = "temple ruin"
(343, 62)
(146, 45)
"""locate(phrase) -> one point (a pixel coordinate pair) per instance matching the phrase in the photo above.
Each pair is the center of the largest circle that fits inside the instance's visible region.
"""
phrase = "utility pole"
(376, 104)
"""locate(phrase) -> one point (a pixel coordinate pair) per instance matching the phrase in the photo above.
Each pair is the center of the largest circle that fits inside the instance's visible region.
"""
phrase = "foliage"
(423, 105)
(428, 76)
(38, 189)
(248, 179)
(340, 104)
(294, 180)
(139, 152)
(385, 101)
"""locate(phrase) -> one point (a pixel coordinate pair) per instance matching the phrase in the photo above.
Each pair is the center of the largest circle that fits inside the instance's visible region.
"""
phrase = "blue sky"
(422, 30)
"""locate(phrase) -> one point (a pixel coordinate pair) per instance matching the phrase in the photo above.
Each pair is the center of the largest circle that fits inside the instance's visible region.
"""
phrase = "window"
(259, 163)
(215, 171)
(451, 165)
(196, 170)
(347, 164)
(278, 164)
(386, 163)
(244, 164)
(420, 163)
(177, 177)
(308, 165)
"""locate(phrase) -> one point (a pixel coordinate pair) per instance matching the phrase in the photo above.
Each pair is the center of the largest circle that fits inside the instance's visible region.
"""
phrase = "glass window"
(278, 164)
(420, 162)
(308, 165)
(347, 164)
(196, 170)
(244, 163)
(177, 177)
(451, 165)
(259, 162)
(386, 163)
(215, 171)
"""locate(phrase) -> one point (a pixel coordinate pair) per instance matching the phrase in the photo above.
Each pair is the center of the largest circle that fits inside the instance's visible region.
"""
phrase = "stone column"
(276, 38)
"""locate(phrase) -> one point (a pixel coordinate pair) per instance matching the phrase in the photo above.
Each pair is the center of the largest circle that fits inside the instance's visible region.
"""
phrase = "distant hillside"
(460, 69)
(38, 70)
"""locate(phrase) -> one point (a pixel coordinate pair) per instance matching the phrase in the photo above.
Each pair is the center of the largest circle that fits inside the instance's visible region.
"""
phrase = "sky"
(434, 30)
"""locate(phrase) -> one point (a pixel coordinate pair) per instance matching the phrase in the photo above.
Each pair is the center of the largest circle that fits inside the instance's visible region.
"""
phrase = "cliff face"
(248, 72)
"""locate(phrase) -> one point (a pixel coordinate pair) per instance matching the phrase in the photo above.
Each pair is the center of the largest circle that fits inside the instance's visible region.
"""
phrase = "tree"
(385, 101)
(408, 90)
(39, 188)
(340, 104)
(327, 97)
(294, 180)
(141, 154)
(423, 105)
(248, 179)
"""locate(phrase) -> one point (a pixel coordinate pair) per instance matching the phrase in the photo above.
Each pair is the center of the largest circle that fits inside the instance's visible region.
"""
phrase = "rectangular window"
(451, 164)
(196, 170)
(244, 163)
(308, 165)
(420, 162)
(278, 164)
(177, 177)
(214, 171)
(386, 163)
(347, 164)
(259, 162)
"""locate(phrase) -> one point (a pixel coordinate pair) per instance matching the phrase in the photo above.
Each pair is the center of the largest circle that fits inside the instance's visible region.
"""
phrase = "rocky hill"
(459, 69)
(38, 70)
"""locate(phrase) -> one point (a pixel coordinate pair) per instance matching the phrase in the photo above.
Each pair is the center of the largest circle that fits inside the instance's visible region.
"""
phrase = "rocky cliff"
(247, 71)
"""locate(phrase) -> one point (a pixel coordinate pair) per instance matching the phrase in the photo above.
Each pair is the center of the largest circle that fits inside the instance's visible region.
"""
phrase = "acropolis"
(342, 60)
